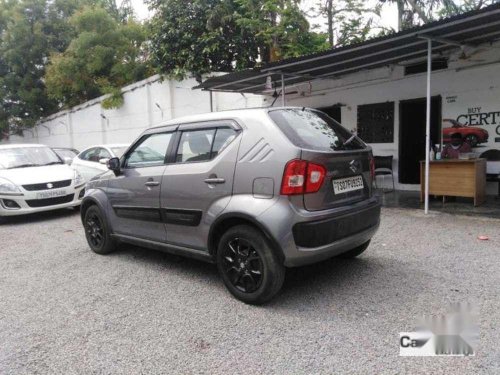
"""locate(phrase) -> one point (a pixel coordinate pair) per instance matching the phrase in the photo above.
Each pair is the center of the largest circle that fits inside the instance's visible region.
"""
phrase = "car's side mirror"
(114, 165)
(68, 161)
(104, 161)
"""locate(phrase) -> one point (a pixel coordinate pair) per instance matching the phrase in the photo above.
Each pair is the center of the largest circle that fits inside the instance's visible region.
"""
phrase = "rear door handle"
(215, 181)
(152, 183)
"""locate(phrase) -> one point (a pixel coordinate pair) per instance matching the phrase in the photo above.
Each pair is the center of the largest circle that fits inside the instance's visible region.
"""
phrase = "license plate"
(50, 194)
(344, 185)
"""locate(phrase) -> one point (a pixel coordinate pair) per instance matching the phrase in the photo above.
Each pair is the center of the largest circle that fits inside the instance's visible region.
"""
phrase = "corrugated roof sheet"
(471, 28)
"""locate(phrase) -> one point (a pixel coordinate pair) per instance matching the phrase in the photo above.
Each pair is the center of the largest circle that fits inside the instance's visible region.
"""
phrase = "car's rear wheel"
(248, 265)
(356, 251)
(472, 140)
(97, 232)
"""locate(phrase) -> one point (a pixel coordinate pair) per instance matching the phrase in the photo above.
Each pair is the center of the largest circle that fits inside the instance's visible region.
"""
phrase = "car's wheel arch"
(89, 201)
(232, 219)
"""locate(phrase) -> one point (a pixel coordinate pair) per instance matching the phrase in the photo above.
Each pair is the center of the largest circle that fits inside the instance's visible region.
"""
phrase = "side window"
(150, 151)
(195, 145)
(203, 145)
(223, 137)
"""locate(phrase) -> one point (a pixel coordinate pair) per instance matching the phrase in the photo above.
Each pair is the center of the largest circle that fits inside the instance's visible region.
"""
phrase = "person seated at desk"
(455, 148)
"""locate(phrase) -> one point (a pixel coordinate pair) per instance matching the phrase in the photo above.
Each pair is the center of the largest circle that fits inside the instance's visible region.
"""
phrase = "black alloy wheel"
(95, 230)
(243, 265)
(249, 265)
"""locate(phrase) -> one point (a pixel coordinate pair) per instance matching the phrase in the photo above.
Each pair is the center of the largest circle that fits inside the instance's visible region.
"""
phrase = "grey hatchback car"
(253, 190)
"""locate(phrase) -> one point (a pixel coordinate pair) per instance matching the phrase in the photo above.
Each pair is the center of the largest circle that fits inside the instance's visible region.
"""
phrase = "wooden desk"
(455, 178)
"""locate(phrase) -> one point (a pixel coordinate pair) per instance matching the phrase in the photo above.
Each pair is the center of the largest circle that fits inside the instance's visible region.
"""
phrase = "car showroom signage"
(478, 109)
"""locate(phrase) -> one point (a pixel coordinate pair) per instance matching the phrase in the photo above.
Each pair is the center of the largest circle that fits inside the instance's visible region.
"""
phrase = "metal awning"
(468, 29)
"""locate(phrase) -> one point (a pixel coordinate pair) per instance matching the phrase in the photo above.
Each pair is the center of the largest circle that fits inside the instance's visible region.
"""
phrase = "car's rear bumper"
(27, 203)
(316, 236)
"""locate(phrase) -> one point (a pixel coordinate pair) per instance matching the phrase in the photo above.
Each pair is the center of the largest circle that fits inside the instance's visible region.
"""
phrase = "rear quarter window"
(314, 130)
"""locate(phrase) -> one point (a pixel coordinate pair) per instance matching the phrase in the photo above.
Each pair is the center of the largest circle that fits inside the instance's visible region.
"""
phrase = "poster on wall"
(476, 116)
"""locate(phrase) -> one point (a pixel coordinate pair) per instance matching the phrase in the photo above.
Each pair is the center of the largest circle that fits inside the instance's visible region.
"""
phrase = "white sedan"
(33, 178)
(92, 161)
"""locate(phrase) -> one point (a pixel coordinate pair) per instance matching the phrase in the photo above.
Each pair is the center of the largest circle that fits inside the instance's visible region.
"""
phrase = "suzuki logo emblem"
(50, 185)
(354, 165)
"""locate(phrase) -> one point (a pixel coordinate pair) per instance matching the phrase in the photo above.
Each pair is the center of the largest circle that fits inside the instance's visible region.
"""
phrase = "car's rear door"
(134, 195)
(200, 182)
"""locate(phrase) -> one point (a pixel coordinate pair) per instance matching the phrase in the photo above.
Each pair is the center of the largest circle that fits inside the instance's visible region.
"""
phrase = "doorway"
(412, 136)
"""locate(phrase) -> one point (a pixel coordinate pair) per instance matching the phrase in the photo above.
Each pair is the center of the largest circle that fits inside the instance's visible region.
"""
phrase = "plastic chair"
(383, 167)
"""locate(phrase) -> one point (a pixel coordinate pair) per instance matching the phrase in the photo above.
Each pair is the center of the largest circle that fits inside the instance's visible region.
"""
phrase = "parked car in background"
(472, 135)
(33, 178)
(65, 153)
(254, 191)
(92, 161)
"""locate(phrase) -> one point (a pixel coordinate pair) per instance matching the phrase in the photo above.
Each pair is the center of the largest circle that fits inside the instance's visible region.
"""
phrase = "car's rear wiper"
(349, 140)
(24, 166)
(53, 162)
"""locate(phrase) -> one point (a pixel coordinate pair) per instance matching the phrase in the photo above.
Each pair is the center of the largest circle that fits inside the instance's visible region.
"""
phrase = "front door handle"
(152, 183)
(214, 181)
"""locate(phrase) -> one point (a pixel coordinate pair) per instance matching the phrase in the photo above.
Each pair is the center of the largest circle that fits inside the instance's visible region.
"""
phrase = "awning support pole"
(428, 125)
(283, 100)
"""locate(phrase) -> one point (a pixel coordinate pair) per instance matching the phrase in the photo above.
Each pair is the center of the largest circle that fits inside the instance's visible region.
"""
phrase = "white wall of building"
(465, 85)
(146, 103)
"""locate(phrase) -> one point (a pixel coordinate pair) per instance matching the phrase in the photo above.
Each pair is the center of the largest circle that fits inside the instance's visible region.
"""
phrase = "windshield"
(314, 130)
(63, 153)
(118, 151)
(21, 157)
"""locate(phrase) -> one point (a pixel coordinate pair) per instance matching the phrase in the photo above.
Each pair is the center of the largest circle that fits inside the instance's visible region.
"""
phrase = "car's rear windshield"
(314, 130)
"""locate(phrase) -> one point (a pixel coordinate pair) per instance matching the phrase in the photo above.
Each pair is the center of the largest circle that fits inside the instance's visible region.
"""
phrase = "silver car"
(254, 191)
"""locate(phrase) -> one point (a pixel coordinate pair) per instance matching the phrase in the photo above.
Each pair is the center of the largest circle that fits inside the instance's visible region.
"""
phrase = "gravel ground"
(65, 310)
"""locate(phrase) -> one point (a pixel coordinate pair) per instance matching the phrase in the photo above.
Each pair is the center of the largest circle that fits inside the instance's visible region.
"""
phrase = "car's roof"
(210, 116)
(21, 145)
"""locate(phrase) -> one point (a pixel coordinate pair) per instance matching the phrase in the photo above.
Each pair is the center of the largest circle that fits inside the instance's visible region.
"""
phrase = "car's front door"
(134, 195)
(200, 182)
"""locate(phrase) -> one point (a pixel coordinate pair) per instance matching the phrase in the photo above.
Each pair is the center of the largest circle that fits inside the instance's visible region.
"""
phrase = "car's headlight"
(78, 179)
(7, 186)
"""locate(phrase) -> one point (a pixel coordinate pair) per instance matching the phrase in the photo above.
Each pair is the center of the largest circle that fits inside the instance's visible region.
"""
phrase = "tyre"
(248, 265)
(472, 140)
(97, 231)
(356, 251)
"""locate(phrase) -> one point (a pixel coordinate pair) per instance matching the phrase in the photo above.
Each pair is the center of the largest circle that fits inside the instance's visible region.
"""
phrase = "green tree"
(347, 21)
(203, 36)
(280, 27)
(29, 31)
(104, 56)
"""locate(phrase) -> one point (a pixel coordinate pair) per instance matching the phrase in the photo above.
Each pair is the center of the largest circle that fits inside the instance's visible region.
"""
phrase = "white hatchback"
(33, 178)
(92, 161)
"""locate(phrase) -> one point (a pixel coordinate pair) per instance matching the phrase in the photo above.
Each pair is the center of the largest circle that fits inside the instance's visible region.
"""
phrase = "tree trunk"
(401, 6)
(329, 14)
(274, 50)
(418, 10)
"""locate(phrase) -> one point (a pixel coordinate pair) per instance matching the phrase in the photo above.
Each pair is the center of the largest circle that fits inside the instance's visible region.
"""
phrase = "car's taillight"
(302, 177)
(315, 176)
(372, 167)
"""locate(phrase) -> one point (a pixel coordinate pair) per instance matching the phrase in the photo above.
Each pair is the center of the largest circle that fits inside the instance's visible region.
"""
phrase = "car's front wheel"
(97, 231)
(248, 265)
